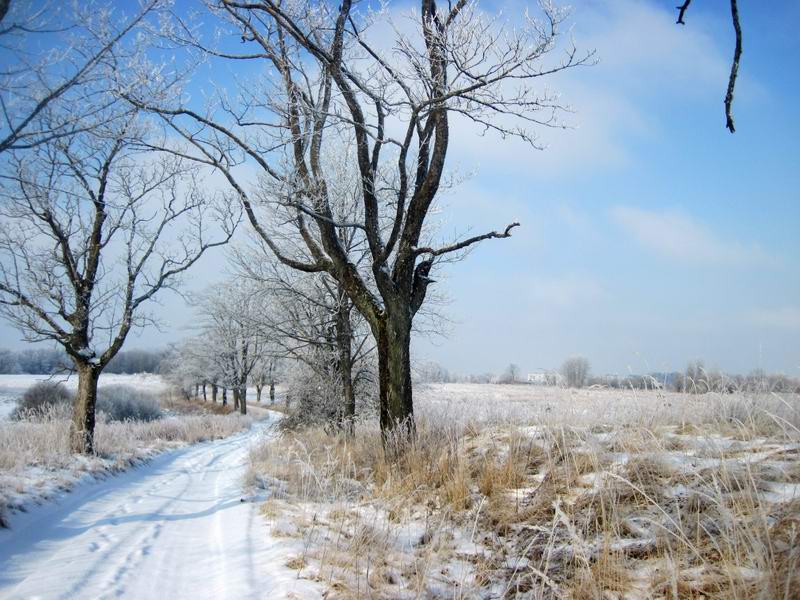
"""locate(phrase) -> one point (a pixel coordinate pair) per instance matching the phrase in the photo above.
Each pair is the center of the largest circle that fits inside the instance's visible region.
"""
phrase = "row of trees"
(45, 361)
(273, 325)
(332, 138)
(335, 152)
(93, 224)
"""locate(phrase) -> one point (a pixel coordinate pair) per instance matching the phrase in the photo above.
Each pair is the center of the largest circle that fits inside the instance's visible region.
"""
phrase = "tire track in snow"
(175, 528)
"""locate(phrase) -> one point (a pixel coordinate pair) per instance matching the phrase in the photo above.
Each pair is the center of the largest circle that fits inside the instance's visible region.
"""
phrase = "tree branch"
(737, 53)
(466, 243)
(682, 11)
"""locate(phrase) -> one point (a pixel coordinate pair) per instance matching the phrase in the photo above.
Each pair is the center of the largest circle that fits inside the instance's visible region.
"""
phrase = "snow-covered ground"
(13, 386)
(176, 528)
(519, 491)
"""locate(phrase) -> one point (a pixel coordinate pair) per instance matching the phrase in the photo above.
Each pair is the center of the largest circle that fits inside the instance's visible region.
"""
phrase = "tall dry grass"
(35, 462)
(677, 501)
(43, 442)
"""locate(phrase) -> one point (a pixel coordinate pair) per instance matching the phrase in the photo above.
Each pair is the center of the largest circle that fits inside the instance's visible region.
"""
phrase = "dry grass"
(35, 463)
(178, 404)
(43, 442)
(676, 505)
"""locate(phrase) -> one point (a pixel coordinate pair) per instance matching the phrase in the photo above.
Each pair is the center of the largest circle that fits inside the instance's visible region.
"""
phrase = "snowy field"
(531, 404)
(509, 492)
(13, 386)
(534, 492)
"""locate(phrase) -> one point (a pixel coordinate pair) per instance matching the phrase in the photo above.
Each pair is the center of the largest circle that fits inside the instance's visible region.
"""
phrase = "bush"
(126, 403)
(116, 402)
(41, 398)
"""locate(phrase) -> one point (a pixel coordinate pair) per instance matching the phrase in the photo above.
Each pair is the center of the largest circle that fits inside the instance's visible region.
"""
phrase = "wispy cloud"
(784, 318)
(566, 292)
(642, 55)
(678, 236)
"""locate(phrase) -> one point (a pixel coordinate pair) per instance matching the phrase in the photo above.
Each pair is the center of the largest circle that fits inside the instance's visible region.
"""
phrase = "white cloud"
(566, 292)
(643, 57)
(678, 236)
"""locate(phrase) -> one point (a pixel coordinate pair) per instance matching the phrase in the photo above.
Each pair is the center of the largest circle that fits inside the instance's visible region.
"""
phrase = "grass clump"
(41, 398)
(126, 403)
(46, 399)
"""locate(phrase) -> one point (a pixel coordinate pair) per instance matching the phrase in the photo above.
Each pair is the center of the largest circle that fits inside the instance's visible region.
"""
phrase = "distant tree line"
(575, 372)
(47, 361)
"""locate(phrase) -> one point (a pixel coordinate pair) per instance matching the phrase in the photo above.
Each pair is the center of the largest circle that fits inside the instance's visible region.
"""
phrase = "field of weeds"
(529, 492)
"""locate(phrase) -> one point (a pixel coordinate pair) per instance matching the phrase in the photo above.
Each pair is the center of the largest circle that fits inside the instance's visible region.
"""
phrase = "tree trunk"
(214, 393)
(243, 399)
(236, 398)
(205, 398)
(344, 336)
(196, 391)
(272, 392)
(83, 412)
(224, 396)
(394, 376)
(259, 387)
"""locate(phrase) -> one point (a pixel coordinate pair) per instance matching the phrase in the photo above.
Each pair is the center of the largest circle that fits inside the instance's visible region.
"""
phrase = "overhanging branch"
(737, 54)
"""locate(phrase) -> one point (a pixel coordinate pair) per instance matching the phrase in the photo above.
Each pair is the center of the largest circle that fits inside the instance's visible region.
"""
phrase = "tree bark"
(205, 397)
(259, 387)
(393, 337)
(243, 399)
(83, 411)
(224, 396)
(236, 398)
(272, 392)
(214, 393)
(344, 336)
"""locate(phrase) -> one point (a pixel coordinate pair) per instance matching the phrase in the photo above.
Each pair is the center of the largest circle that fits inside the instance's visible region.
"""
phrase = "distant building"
(545, 378)
(537, 378)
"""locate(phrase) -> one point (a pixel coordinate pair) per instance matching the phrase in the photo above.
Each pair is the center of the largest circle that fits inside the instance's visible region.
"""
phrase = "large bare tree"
(338, 76)
(311, 317)
(90, 230)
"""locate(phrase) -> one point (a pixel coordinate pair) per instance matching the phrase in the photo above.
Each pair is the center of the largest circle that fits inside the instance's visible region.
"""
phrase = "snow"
(13, 386)
(178, 527)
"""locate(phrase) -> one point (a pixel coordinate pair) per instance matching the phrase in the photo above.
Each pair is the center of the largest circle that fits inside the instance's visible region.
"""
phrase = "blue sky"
(650, 235)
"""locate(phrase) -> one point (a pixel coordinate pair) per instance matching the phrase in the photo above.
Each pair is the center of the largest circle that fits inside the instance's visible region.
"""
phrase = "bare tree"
(511, 374)
(575, 371)
(57, 55)
(266, 373)
(233, 336)
(312, 321)
(91, 230)
(331, 85)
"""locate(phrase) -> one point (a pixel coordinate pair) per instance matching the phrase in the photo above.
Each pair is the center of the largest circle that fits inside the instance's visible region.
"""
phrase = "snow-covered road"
(174, 528)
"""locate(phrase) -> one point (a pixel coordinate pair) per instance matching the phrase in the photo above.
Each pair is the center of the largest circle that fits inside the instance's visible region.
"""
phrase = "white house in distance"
(545, 378)
(537, 378)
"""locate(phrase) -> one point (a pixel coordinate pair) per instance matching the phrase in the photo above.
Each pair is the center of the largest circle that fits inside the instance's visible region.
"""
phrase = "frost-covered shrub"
(315, 395)
(42, 397)
(127, 403)
(315, 398)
